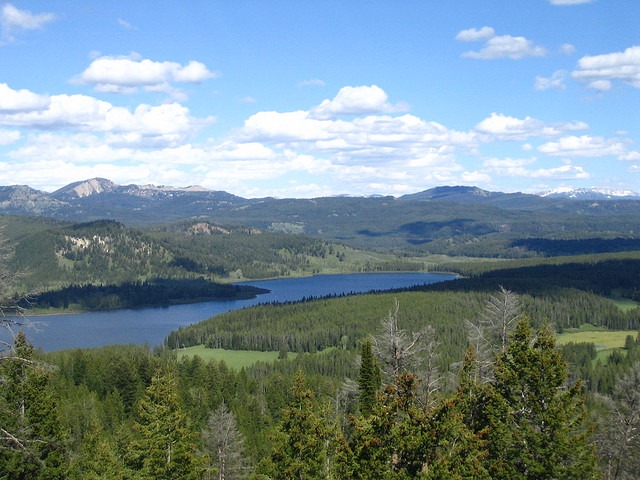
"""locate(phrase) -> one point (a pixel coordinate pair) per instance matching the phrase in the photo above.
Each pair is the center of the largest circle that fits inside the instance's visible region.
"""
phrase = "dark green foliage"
(535, 425)
(369, 378)
(157, 291)
(300, 445)
(166, 448)
(399, 439)
(32, 443)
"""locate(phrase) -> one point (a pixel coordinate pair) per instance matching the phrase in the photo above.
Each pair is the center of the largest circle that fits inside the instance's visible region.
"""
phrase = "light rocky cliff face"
(93, 186)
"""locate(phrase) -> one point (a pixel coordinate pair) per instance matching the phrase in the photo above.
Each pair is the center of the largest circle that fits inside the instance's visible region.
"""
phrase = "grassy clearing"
(606, 341)
(625, 304)
(603, 340)
(235, 359)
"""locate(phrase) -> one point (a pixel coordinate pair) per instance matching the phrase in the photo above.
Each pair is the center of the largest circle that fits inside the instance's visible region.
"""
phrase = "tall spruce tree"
(29, 409)
(369, 378)
(536, 425)
(301, 445)
(167, 446)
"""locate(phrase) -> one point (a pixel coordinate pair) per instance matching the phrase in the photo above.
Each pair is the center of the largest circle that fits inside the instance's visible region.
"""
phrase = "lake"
(151, 325)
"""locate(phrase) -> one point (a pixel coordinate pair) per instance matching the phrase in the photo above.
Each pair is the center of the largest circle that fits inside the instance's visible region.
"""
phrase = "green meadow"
(606, 341)
(236, 359)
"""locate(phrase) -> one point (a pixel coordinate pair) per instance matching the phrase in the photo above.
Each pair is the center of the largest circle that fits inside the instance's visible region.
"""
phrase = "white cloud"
(126, 25)
(632, 156)
(555, 81)
(569, 2)
(499, 46)
(356, 101)
(8, 137)
(127, 74)
(475, 34)
(281, 153)
(510, 167)
(567, 49)
(584, 146)
(599, 71)
(14, 101)
(13, 20)
(505, 127)
(166, 124)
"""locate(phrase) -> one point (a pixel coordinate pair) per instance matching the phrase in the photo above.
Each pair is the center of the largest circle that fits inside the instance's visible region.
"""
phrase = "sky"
(311, 98)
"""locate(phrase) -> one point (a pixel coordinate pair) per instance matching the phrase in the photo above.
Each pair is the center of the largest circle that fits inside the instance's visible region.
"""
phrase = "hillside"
(54, 254)
(444, 220)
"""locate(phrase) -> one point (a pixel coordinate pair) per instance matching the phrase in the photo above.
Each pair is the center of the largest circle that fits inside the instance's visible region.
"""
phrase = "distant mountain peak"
(86, 188)
(591, 193)
(96, 186)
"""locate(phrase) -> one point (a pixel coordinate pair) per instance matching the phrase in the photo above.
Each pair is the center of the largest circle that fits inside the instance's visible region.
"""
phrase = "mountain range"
(79, 198)
(451, 219)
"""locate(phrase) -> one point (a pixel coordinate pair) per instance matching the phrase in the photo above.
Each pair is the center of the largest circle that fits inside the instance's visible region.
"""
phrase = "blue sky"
(314, 98)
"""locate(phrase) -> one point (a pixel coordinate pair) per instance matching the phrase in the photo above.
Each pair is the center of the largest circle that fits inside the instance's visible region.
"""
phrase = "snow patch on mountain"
(592, 193)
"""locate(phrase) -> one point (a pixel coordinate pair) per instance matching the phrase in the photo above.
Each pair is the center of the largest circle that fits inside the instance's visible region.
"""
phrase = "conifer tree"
(301, 446)
(369, 378)
(536, 424)
(167, 446)
(98, 459)
(29, 409)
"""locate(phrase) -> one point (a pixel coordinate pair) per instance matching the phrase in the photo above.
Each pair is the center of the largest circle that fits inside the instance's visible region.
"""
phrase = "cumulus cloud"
(356, 101)
(165, 124)
(355, 142)
(128, 74)
(476, 34)
(510, 167)
(555, 81)
(631, 156)
(499, 46)
(505, 127)
(9, 136)
(600, 71)
(14, 101)
(14, 20)
(584, 146)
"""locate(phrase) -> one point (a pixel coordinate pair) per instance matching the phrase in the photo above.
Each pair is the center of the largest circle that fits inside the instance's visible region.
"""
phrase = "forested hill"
(56, 254)
(452, 220)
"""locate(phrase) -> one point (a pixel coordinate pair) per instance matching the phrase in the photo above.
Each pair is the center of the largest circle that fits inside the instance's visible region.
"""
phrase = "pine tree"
(369, 378)
(167, 446)
(98, 459)
(301, 444)
(29, 409)
(536, 425)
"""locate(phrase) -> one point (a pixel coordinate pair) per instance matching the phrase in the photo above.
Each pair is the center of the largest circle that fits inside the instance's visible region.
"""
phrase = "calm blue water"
(151, 325)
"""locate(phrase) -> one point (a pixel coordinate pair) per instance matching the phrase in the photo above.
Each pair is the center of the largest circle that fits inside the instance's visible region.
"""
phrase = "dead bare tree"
(225, 444)
(619, 430)
(489, 332)
(400, 351)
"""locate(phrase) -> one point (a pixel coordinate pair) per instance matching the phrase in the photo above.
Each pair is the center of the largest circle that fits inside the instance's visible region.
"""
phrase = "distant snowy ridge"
(593, 193)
